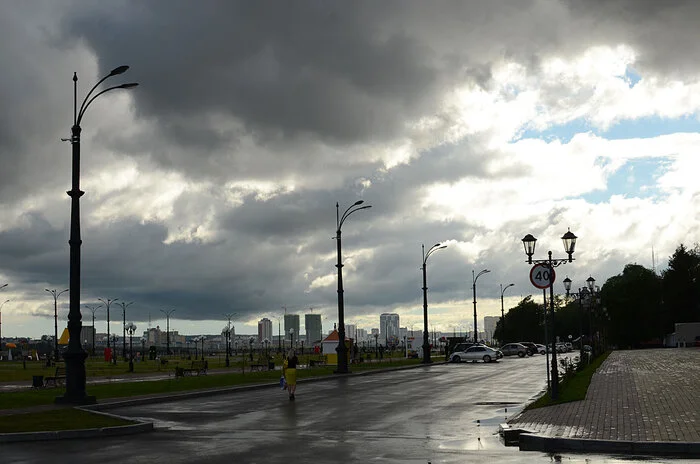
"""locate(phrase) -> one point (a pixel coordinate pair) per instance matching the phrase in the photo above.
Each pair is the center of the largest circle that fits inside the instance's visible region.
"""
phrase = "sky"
(211, 188)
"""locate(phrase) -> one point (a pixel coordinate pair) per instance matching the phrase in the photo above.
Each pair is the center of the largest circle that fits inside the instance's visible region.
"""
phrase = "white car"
(476, 353)
(541, 349)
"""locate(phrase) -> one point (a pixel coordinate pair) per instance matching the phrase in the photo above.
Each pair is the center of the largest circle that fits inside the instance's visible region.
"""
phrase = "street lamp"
(291, 338)
(124, 306)
(569, 240)
(426, 343)
(202, 338)
(74, 355)
(94, 309)
(503, 319)
(250, 341)
(342, 349)
(167, 331)
(1, 305)
(55, 293)
(108, 302)
(131, 328)
(474, 279)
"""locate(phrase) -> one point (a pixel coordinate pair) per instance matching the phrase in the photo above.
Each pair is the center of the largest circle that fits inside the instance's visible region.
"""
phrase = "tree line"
(633, 309)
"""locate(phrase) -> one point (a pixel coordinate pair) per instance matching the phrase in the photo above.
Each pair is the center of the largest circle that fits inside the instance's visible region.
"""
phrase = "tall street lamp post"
(131, 328)
(474, 279)
(167, 331)
(107, 303)
(124, 306)
(426, 343)
(503, 318)
(75, 355)
(55, 293)
(94, 309)
(228, 337)
(569, 240)
(202, 338)
(342, 349)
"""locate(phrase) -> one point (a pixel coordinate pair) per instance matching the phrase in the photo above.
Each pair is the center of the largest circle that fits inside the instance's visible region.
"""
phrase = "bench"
(257, 367)
(58, 379)
(317, 363)
(196, 368)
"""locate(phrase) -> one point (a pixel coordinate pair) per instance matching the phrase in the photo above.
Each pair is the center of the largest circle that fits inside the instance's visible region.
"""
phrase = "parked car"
(476, 353)
(463, 346)
(541, 349)
(531, 348)
(510, 349)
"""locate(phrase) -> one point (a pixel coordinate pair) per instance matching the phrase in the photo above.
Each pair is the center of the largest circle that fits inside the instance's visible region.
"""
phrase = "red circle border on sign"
(552, 280)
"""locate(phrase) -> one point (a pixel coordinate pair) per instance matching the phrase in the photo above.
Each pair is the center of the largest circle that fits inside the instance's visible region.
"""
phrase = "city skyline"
(211, 188)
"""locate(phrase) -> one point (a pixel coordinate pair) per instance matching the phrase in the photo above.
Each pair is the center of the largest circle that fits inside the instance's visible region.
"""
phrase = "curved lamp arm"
(506, 288)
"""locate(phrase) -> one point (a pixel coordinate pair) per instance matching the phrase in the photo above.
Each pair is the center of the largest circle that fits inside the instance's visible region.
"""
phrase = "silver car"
(477, 353)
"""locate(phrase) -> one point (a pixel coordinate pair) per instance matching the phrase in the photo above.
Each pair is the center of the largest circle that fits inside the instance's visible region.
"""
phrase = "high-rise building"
(389, 328)
(351, 331)
(264, 329)
(291, 326)
(490, 326)
(314, 329)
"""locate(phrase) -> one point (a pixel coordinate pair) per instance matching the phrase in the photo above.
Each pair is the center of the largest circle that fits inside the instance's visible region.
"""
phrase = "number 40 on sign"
(540, 275)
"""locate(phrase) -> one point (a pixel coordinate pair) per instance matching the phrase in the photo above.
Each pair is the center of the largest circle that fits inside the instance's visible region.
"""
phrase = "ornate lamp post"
(426, 342)
(94, 309)
(124, 306)
(250, 342)
(529, 242)
(75, 355)
(226, 332)
(342, 349)
(55, 293)
(228, 337)
(202, 338)
(503, 318)
(474, 279)
(131, 328)
(167, 330)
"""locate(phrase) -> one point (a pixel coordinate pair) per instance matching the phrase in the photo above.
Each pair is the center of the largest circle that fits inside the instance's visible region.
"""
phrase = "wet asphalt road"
(443, 413)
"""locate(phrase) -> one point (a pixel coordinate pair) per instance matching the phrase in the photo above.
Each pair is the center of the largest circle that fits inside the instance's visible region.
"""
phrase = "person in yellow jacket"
(289, 370)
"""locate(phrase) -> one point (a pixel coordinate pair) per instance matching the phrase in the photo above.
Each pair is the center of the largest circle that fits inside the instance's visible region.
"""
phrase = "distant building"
(490, 326)
(314, 328)
(389, 328)
(291, 325)
(264, 329)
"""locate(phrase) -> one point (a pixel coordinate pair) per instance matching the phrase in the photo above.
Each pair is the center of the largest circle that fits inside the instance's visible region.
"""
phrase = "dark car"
(531, 348)
(511, 349)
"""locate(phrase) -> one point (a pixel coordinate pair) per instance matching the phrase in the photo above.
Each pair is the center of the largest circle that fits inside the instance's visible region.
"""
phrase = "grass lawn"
(70, 419)
(574, 389)
(30, 397)
(59, 419)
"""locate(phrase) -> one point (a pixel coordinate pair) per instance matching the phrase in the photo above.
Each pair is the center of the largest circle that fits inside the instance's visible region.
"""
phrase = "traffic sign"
(540, 275)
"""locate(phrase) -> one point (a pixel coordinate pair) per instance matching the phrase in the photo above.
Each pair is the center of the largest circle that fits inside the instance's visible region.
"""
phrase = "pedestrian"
(289, 369)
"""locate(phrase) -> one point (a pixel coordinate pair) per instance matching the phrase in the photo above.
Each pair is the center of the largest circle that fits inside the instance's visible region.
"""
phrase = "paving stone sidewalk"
(638, 396)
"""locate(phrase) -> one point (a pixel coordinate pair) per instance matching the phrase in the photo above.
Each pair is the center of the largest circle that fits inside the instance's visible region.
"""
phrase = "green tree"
(523, 322)
(681, 288)
(632, 301)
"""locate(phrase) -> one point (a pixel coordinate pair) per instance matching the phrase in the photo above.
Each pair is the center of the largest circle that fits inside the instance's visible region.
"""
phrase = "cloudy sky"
(211, 188)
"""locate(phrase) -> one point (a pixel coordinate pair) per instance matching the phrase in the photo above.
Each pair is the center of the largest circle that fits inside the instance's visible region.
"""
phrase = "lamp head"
(569, 240)
(529, 242)
(130, 85)
(358, 202)
(567, 285)
(118, 70)
(591, 283)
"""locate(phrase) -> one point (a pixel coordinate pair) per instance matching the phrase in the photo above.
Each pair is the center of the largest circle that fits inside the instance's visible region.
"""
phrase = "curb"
(140, 427)
(530, 442)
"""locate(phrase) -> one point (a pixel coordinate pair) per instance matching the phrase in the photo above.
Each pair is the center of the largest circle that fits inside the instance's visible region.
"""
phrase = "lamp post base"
(75, 380)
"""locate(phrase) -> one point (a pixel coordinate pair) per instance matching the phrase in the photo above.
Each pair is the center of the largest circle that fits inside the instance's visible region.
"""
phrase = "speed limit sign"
(542, 276)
